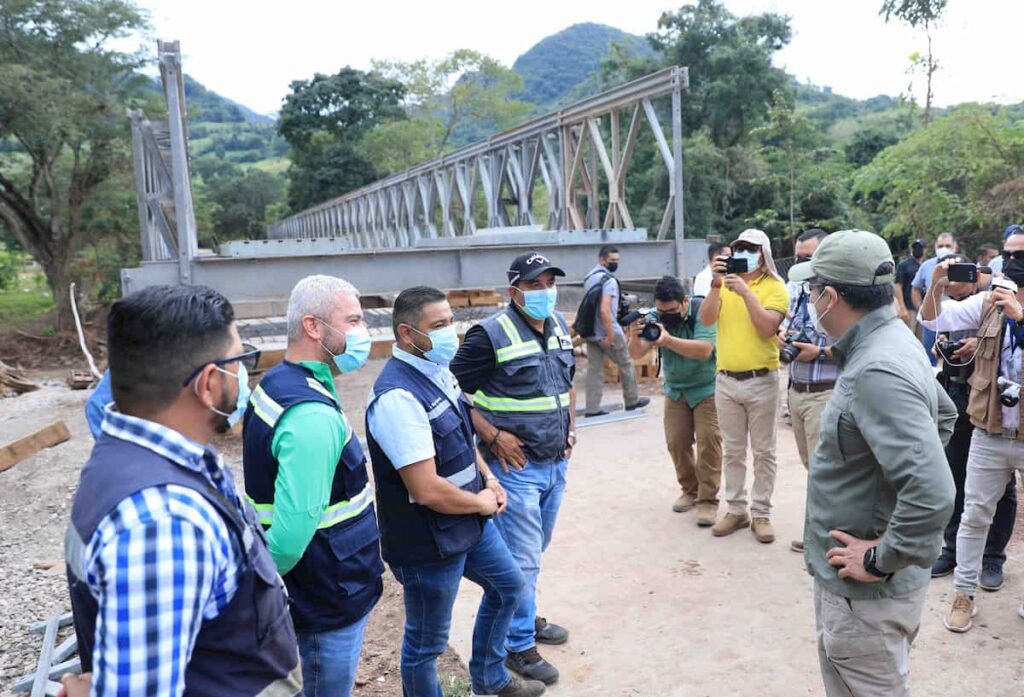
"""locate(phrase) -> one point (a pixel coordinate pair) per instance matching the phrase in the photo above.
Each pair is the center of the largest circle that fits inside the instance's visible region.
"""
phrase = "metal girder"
(560, 152)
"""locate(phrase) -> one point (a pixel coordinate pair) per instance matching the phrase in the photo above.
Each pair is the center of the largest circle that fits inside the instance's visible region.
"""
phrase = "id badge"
(565, 343)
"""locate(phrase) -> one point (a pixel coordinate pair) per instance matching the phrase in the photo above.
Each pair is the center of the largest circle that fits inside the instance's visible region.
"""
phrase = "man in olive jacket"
(879, 491)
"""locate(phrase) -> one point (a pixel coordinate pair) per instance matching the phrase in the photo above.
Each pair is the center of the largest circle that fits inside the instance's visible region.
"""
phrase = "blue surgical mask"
(357, 349)
(753, 258)
(540, 304)
(445, 343)
(243, 395)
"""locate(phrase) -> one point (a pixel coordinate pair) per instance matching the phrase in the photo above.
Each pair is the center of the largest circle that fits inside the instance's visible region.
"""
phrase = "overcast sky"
(250, 54)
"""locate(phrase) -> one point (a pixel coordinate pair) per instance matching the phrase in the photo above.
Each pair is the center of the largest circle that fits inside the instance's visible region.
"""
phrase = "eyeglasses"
(250, 358)
(1018, 255)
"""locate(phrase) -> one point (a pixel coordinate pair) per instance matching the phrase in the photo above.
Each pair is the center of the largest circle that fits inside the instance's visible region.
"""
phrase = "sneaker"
(639, 404)
(518, 688)
(797, 546)
(991, 575)
(763, 531)
(959, 618)
(944, 565)
(547, 633)
(684, 503)
(531, 666)
(730, 524)
(706, 514)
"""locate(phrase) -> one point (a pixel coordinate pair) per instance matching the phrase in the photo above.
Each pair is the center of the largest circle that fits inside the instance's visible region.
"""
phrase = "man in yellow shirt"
(748, 308)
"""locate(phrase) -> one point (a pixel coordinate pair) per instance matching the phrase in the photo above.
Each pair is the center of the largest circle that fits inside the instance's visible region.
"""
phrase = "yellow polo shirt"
(739, 346)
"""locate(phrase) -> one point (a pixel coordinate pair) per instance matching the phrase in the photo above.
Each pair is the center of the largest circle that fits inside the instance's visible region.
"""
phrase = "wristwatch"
(822, 354)
(489, 478)
(871, 568)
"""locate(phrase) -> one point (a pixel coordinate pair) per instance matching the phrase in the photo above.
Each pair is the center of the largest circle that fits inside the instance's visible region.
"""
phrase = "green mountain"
(554, 66)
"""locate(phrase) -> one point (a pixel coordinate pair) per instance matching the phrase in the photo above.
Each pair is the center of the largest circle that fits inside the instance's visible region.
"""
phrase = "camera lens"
(789, 353)
(650, 332)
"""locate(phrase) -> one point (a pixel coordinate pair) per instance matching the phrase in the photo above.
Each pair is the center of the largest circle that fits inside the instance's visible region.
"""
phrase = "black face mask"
(801, 260)
(1013, 269)
(670, 320)
(613, 266)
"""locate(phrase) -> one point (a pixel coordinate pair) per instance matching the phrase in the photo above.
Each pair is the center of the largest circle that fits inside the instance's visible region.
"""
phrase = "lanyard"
(1016, 334)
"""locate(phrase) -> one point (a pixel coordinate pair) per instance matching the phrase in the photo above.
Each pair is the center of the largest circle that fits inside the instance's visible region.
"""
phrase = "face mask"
(753, 258)
(240, 402)
(1013, 269)
(670, 320)
(612, 267)
(802, 259)
(812, 311)
(539, 304)
(445, 342)
(943, 252)
(357, 349)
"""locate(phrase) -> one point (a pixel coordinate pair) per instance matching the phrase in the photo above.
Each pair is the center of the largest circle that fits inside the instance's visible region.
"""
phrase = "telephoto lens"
(650, 332)
(788, 353)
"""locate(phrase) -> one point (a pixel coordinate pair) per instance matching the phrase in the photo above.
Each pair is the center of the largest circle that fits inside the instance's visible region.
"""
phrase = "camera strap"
(1016, 334)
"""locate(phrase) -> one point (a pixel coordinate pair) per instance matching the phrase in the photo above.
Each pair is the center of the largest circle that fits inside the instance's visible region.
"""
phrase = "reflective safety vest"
(250, 647)
(338, 579)
(528, 392)
(412, 534)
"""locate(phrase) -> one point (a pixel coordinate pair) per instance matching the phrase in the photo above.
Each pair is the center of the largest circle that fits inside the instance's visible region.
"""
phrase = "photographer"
(748, 301)
(812, 372)
(996, 450)
(688, 360)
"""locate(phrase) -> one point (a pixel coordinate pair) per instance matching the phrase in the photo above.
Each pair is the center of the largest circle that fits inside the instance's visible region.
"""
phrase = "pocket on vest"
(565, 362)
(978, 398)
(355, 550)
(450, 440)
(520, 379)
(455, 534)
(269, 598)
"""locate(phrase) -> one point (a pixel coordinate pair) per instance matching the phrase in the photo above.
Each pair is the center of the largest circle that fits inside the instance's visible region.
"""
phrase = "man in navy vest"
(519, 367)
(434, 495)
(171, 582)
(305, 474)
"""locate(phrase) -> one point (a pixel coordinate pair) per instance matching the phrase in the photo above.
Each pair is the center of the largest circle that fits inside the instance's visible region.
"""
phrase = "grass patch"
(22, 306)
(455, 687)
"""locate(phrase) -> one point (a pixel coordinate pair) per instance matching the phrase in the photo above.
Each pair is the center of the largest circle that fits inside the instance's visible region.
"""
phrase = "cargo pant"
(805, 410)
(700, 476)
(619, 353)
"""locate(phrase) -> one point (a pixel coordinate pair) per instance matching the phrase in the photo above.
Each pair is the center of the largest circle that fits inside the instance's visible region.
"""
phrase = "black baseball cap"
(527, 267)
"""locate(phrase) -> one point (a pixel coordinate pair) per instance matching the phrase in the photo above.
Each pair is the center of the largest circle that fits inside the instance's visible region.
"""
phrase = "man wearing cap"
(518, 367)
(905, 273)
(879, 491)
(748, 308)
(997, 264)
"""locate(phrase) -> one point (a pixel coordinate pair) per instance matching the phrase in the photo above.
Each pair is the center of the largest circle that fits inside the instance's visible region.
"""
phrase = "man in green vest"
(688, 363)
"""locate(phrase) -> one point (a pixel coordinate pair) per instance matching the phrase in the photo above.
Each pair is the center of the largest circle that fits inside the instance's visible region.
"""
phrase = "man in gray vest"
(518, 366)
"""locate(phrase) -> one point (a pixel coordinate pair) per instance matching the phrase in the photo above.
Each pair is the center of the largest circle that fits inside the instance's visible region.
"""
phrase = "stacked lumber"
(13, 379)
(475, 297)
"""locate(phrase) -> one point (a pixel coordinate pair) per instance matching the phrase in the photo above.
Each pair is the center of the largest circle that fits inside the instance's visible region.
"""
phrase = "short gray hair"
(315, 296)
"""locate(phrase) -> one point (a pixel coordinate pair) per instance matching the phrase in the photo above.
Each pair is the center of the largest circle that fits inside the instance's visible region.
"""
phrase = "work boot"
(639, 404)
(531, 666)
(763, 531)
(991, 575)
(944, 565)
(797, 546)
(547, 633)
(706, 513)
(959, 618)
(730, 524)
(519, 688)
(684, 503)
(591, 415)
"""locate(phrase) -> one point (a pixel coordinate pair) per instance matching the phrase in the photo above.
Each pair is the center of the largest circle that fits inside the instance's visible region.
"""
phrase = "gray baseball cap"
(849, 257)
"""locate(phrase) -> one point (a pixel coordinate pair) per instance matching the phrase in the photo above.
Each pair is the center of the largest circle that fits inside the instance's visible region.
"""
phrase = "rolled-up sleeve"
(910, 452)
(400, 427)
(956, 315)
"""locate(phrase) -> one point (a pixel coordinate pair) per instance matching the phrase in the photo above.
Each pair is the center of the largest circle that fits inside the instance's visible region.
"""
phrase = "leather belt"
(812, 387)
(745, 374)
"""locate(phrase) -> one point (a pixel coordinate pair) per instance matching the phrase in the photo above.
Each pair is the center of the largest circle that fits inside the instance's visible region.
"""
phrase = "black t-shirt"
(905, 273)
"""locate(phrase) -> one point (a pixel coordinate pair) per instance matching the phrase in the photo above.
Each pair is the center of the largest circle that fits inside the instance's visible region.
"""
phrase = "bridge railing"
(575, 155)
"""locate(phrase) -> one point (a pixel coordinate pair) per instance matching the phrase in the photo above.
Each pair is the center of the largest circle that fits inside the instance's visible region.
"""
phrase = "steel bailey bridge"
(556, 183)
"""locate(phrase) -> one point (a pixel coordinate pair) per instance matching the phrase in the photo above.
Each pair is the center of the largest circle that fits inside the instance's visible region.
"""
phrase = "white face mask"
(812, 312)
(943, 252)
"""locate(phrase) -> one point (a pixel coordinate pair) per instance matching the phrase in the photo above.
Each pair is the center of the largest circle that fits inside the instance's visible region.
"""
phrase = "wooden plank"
(47, 437)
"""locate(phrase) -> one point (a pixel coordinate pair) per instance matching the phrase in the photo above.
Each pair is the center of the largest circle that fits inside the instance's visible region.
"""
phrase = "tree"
(323, 120)
(242, 203)
(924, 14)
(64, 88)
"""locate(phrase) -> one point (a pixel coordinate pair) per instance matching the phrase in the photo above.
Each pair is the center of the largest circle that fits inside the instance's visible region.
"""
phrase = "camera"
(650, 331)
(948, 348)
(735, 265)
(1009, 395)
(963, 273)
(789, 352)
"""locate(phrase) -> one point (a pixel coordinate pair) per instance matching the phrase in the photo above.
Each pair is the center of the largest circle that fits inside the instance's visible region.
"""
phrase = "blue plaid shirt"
(159, 565)
(819, 370)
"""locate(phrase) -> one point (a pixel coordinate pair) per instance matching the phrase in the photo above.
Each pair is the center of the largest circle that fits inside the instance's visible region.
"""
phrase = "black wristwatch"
(871, 568)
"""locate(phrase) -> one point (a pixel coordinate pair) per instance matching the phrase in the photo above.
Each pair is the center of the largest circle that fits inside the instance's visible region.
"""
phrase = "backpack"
(586, 314)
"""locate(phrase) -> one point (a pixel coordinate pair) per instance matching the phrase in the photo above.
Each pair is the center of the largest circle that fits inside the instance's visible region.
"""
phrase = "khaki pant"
(747, 414)
(864, 645)
(595, 377)
(698, 477)
(805, 411)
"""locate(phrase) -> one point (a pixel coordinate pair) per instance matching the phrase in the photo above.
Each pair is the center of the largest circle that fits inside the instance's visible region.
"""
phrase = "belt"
(812, 387)
(745, 374)
(1008, 434)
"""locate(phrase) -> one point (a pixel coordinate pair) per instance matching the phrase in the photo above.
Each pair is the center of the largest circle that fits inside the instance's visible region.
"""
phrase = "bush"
(10, 268)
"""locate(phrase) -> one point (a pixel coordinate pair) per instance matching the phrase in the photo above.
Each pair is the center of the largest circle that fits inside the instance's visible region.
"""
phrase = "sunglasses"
(1018, 255)
(250, 358)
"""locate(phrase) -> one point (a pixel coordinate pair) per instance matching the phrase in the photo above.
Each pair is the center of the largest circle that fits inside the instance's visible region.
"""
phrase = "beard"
(220, 423)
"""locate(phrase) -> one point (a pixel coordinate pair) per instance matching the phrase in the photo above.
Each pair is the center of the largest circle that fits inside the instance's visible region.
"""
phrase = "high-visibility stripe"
(520, 350)
(463, 476)
(266, 408)
(511, 404)
(315, 384)
(510, 329)
(442, 406)
(332, 515)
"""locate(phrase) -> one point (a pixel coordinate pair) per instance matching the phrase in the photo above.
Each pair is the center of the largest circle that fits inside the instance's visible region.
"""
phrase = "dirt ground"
(655, 605)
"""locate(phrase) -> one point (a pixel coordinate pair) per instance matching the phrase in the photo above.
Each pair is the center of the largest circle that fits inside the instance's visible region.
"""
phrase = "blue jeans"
(429, 592)
(534, 497)
(330, 659)
(928, 340)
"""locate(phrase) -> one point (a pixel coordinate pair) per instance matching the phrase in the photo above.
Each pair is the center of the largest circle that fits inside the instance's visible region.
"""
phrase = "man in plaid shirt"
(171, 581)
